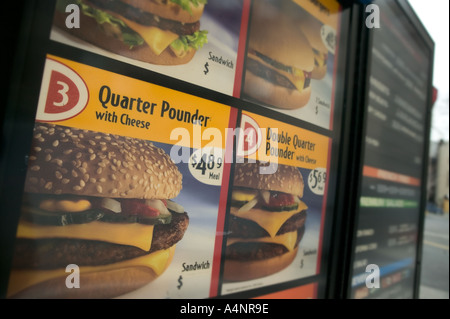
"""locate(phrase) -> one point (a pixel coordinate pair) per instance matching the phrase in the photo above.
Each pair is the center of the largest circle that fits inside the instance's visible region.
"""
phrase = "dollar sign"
(194, 160)
(180, 282)
(301, 263)
(206, 68)
(317, 109)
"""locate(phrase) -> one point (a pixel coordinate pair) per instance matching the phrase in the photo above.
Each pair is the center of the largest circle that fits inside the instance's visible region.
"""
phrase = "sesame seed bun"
(65, 160)
(92, 34)
(241, 270)
(93, 284)
(275, 79)
(311, 28)
(276, 35)
(169, 10)
(265, 91)
(286, 179)
(319, 72)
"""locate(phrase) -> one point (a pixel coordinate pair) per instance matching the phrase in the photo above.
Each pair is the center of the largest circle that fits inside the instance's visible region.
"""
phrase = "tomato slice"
(133, 207)
(281, 199)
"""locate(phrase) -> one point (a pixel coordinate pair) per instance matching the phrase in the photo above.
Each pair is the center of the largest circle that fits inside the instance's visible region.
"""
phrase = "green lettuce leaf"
(185, 42)
(127, 35)
(130, 37)
(185, 4)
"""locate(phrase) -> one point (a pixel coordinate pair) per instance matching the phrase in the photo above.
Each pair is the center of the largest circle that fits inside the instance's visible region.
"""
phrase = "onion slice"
(177, 208)
(112, 205)
(249, 205)
(266, 196)
(158, 205)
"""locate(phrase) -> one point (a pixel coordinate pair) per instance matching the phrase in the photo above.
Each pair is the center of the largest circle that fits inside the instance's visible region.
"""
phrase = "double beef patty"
(269, 74)
(243, 228)
(257, 251)
(146, 18)
(50, 253)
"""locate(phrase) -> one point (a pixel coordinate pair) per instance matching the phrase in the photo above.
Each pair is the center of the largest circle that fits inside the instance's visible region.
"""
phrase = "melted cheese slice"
(288, 240)
(70, 206)
(21, 279)
(298, 79)
(134, 234)
(320, 59)
(158, 40)
(243, 195)
(270, 221)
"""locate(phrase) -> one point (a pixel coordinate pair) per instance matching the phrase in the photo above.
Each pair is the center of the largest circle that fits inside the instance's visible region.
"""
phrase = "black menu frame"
(350, 192)
(23, 63)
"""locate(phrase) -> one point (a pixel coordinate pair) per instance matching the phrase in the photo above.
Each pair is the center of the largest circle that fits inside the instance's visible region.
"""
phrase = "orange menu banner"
(374, 172)
(82, 96)
(302, 292)
(269, 140)
(325, 11)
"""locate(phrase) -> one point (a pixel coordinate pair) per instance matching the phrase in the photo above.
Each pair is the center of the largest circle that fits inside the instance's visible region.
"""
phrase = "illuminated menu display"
(393, 158)
(143, 182)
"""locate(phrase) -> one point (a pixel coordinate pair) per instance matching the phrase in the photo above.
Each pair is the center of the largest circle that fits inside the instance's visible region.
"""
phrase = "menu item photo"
(279, 60)
(195, 41)
(312, 29)
(276, 207)
(100, 202)
(266, 223)
(158, 32)
(291, 58)
(113, 183)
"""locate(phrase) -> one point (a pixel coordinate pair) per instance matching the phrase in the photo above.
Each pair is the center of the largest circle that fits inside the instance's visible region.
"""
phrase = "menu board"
(96, 182)
(224, 55)
(277, 197)
(297, 41)
(155, 171)
(205, 55)
(393, 158)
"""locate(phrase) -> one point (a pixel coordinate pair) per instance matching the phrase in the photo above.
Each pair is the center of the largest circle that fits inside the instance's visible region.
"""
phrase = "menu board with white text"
(390, 202)
(176, 149)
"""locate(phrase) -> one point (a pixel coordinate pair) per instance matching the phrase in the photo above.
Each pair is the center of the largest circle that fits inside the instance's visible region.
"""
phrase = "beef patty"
(247, 251)
(245, 228)
(51, 253)
(146, 18)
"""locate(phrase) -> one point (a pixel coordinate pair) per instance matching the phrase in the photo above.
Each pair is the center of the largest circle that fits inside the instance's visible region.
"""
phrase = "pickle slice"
(161, 219)
(42, 217)
(269, 208)
(46, 218)
(282, 208)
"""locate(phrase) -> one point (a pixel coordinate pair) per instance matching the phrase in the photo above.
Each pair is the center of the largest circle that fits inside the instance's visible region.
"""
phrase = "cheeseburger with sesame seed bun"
(163, 32)
(267, 221)
(279, 59)
(100, 202)
(312, 29)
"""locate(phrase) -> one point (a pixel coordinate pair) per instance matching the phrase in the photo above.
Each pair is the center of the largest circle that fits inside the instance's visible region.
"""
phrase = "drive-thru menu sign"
(167, 149)
(132, 178)
(393, 158)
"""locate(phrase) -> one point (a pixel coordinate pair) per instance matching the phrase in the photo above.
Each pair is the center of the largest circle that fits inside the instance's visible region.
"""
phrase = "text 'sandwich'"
(165, 32)
(266, 224)
(100, 202)
(279, 59)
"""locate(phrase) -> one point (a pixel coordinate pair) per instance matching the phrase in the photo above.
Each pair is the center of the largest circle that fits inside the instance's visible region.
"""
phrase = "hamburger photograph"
(98, 201)
(161, 32)
(312, 29)
(266, 222)
(280, 60)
